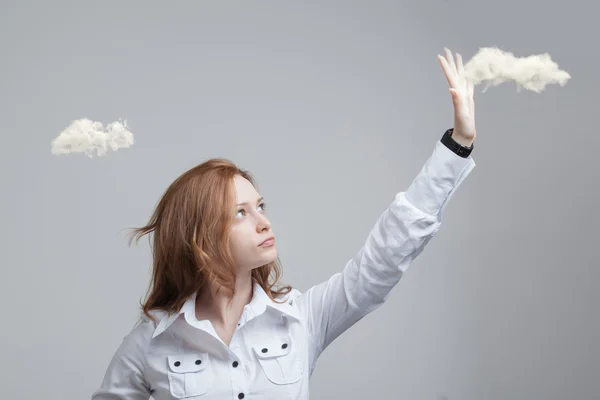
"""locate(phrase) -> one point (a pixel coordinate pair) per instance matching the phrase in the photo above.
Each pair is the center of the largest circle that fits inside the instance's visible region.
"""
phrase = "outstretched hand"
(461, 89)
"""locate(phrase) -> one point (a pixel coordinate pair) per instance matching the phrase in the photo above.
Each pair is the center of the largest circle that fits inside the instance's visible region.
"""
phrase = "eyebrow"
(257, 201)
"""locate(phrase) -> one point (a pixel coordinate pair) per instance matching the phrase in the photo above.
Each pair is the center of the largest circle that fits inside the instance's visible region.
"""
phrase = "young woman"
(218, 325)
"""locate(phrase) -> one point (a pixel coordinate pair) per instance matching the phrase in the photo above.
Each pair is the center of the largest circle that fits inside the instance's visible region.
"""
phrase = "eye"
(241, 210)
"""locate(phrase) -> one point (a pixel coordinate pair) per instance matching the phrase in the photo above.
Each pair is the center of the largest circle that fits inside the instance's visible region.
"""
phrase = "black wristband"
(456, 147)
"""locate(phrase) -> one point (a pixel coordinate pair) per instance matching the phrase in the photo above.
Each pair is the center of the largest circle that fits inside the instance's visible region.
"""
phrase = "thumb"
(455, 97)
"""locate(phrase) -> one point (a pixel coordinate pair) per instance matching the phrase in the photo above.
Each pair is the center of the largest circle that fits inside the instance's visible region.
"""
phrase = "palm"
(462, 91)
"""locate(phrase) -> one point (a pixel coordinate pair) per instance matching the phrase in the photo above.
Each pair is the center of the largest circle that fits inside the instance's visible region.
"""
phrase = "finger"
(450, 75)
(450, 59)
(460, 69)
(460, 72)
(471, 91)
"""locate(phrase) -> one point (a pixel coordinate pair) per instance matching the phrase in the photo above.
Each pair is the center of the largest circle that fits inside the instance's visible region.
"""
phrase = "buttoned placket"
(237, 373)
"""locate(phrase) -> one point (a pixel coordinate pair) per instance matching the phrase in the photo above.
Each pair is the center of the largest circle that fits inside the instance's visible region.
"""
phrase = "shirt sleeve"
(398, 237)
(124, 377)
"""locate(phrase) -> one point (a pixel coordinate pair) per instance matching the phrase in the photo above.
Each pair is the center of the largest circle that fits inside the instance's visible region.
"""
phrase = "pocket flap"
(185, 363)
(273, 348)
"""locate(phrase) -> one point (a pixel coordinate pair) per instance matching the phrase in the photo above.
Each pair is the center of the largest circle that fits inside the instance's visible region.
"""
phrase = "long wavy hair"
(190, 238)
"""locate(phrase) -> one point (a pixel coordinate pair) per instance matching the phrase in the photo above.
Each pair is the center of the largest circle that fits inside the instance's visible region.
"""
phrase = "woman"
(217, 324)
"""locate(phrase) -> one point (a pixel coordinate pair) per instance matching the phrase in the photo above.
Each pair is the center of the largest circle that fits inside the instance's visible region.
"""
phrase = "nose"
(263, 224)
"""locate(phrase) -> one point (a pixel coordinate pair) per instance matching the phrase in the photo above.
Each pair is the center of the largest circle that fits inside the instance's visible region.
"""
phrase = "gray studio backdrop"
(334, 106)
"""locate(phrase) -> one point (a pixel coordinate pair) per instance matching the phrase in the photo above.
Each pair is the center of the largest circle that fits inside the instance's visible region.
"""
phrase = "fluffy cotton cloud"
(492, 66)
(92, 138)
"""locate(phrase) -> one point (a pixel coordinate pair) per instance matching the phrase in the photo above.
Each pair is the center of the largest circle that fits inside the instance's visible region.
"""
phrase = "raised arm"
(399, 235)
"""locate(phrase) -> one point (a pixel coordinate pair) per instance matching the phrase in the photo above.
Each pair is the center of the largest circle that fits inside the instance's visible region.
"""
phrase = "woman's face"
(250, 228)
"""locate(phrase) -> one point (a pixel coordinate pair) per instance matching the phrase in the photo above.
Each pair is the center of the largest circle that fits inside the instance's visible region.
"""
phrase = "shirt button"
(241, 396)
(235, 364)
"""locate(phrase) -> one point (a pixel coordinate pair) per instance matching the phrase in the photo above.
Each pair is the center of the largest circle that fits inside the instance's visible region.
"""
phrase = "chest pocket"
(189, 374)
(279, 361)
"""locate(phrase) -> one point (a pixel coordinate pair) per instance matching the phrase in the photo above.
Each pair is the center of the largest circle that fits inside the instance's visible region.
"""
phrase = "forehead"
(244, 191)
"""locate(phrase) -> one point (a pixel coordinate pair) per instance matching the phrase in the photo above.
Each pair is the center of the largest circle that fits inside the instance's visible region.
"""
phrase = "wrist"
(462, 148)
(461, 140)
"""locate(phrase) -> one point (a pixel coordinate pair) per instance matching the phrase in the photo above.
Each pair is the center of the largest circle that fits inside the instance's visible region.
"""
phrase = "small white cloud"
(492, 66)
(92, 138)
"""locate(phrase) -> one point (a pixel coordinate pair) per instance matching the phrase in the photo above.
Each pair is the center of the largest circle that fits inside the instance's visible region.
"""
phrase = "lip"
(268, 241)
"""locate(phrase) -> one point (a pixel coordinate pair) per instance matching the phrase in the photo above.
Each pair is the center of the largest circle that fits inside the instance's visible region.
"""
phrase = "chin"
(269, 259)
(262, 261)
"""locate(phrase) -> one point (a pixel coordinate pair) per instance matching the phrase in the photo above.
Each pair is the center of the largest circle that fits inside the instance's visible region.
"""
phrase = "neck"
(220, 305)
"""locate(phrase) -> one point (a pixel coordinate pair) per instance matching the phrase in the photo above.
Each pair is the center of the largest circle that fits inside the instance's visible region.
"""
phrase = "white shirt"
(275, 347)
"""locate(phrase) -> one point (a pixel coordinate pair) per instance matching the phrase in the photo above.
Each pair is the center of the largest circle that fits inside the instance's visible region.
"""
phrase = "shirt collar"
(260, 301)
(257, 306)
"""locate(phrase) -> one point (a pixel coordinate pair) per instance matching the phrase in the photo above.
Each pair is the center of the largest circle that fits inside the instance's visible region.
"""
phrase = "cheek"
(234, 242)
(239, 242)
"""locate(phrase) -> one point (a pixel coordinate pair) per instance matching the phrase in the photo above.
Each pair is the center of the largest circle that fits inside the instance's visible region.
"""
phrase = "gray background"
(334, 106)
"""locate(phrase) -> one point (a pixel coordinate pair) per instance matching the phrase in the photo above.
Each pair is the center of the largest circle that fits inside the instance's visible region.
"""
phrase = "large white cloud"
(92, 138)
(492, 66)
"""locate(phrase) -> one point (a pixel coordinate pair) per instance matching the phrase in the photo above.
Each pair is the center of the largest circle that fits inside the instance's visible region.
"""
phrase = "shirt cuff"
(439, 178)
